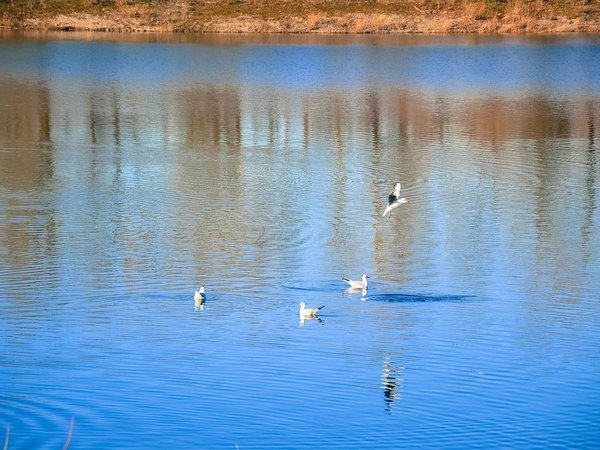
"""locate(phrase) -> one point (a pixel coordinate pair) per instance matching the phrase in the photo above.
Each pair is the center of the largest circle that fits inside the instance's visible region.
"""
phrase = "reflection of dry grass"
(309, 16)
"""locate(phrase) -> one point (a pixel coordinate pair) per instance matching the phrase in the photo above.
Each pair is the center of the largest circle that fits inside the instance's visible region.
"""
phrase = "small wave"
(414, 298)
(311, 288)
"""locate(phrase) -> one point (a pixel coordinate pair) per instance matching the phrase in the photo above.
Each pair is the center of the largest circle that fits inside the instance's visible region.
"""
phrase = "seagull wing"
(395, 194)
(393, 199)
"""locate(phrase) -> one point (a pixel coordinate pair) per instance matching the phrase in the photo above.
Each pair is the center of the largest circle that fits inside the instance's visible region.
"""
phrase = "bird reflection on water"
(315, 318)
(362, 292)
(392, 383)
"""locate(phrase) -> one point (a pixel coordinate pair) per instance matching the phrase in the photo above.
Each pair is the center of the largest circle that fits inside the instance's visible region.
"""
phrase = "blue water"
(131, 172)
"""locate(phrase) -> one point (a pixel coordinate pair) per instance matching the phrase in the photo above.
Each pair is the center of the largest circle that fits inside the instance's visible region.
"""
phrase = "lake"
(134, 168)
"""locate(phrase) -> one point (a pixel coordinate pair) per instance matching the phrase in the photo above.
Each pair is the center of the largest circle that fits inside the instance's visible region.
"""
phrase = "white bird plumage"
(358, 284)
(309, 312)
(199, 298)
(394, 200)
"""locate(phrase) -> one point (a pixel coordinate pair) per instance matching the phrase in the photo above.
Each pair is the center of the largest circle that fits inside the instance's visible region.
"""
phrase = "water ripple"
(121, 194)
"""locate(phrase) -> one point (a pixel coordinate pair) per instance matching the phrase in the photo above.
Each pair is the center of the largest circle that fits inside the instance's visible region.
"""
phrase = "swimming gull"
(199, 298)
(394, 200)
(358, 284)
(309, 312)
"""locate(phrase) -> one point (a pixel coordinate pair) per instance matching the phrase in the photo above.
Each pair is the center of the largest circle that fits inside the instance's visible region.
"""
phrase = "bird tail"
(346, 280)
(387, 210)
(320, 308)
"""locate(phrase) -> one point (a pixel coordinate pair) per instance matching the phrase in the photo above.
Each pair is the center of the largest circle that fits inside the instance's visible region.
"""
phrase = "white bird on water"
(309, 312)
(199, 298)
(358, 284)
(394, 200)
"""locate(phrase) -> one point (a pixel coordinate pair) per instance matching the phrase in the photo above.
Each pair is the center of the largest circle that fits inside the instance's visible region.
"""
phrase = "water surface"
(132, 169)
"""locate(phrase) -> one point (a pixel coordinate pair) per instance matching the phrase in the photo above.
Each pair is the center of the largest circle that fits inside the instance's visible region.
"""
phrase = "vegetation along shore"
(306, 16)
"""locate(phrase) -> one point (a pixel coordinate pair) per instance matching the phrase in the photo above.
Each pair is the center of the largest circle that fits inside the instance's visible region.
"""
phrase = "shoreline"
(311, 17)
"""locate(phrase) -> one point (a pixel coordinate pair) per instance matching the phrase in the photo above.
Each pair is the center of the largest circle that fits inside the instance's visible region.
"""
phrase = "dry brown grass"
(309, 16)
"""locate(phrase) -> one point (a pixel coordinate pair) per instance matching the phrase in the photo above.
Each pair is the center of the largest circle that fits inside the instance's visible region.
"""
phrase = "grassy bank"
(307, 16)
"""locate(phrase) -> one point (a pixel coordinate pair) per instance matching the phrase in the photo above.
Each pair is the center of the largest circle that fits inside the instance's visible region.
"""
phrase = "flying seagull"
(394, 200)
(358, 284)
(309, 312)
(199, 298)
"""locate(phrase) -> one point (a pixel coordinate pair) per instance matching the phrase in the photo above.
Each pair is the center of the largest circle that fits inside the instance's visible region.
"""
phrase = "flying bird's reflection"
(392, 382)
